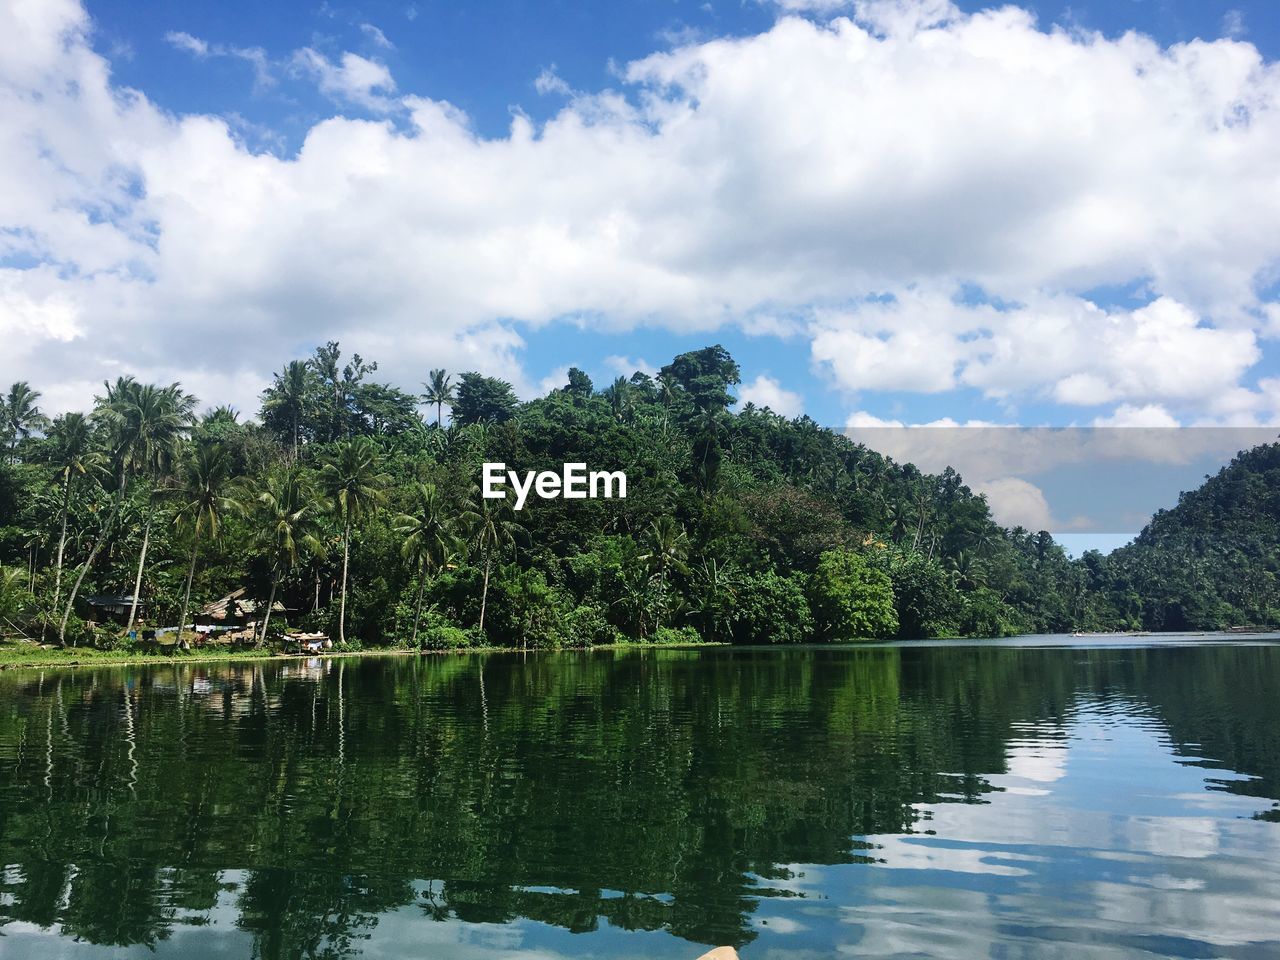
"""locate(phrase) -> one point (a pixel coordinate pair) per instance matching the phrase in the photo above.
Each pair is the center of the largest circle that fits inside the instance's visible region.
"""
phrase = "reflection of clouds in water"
(1096, 836)
(779, 924)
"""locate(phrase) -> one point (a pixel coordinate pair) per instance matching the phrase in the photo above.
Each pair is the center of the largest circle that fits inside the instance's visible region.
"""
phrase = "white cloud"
(201, 49)
(767, 392)
(550, 82)
(1062, 348)
(181, 40)
(915, 151)
(351, 79)
(376, 36)
(1150, 415)
(1016, 502)
(556, 378)
(1233, 24)
(625, 366)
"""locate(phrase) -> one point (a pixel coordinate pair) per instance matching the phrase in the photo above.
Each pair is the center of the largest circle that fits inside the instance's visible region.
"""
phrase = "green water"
(998, 800)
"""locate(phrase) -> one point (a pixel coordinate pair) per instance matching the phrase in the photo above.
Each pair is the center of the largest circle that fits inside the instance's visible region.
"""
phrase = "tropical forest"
(351, 508)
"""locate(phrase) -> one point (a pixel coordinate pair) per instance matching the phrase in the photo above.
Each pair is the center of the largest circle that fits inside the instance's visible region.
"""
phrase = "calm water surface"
(996, 800)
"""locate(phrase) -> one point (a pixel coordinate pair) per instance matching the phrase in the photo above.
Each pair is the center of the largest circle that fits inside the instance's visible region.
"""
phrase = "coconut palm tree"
(71, 454)
(439, 392)
(289, 396)
(355, 487)
(20, 416)
(286, 512)
(143, 424)
(668, 548)
(621, 401)
(428, 541)
(147, 423)
(491, 527)
(203, 500)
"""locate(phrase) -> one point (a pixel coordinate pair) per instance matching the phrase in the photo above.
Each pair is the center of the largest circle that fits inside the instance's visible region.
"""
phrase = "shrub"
(771, 609)
(675, 635)
(851, 599)
(438, 632)
(984, 614)
(587, 625)
(925, 596)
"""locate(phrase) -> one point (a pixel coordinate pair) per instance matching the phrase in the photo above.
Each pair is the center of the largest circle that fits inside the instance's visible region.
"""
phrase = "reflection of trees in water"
(658, 790)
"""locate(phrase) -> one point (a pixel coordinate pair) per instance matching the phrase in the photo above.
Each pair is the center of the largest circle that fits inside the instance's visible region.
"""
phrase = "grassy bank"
(25, 655)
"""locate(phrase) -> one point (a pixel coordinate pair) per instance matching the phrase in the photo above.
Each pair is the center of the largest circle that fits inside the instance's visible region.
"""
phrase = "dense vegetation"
(362, 517)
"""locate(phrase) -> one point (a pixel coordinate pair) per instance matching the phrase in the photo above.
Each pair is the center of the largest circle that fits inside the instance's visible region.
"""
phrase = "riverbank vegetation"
(350, 507)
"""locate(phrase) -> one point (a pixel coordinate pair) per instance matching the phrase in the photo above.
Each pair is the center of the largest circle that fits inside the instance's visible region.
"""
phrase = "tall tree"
(355, 486)
(21, 415)
(491, 527)
(439, 392)
(286, 515)
(147, 422)
(143, 424)
(202, 499)
(289, 399)
(72, 455)
(668, 548)
(483, 399)
(428, 541)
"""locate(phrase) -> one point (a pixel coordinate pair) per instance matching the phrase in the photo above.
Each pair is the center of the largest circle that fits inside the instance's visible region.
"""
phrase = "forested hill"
(350, 506)
(1212, 561)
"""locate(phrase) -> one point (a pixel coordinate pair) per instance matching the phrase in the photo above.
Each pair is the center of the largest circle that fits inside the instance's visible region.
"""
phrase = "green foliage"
(439, 633)
(357, 515)
(984, 614)
(682, 635)
(483, 399)
(852, 598)
(771, 609)
(924, 595)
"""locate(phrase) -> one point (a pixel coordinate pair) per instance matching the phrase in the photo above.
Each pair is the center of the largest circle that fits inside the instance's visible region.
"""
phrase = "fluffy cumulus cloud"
(765, 391)
(855, 174)
(1061, 347)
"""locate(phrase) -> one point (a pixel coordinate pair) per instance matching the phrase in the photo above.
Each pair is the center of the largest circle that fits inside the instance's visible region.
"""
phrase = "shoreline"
(59, 658)
(55, 657)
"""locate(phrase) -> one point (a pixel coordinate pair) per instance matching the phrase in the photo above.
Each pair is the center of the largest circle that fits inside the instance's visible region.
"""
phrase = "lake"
(1031, 798)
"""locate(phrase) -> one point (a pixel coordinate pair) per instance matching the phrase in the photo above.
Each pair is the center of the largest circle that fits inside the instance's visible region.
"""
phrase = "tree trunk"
(93, 555)
(417, 609)
(142, 562)
(342, 606)
(295, 436)
(62, 539)
(484, 594)
(191, 573)
(266, 617)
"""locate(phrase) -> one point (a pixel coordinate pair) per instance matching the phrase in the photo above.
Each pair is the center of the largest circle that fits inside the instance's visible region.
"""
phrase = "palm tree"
(289, 396)
(354, 486)
(620, 400)
(428, 541)
(439, 392)
(72, 455)
(286, 513)
(668, 549)
(491, 526)
(21, 416)
(144, 424)
(715, 600)
(147, 422)
(202, 502)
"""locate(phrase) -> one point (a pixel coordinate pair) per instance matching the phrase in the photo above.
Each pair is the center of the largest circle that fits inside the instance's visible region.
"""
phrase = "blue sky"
(895, 211)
